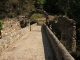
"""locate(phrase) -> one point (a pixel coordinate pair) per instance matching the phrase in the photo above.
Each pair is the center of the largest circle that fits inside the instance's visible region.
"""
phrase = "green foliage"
(63, 42)
(12, 8)
(32, 22)
(76, 55)
(35, 16)
(56, 17)
(51, 6)
(1, 24)
(39, 3)
(64, 5)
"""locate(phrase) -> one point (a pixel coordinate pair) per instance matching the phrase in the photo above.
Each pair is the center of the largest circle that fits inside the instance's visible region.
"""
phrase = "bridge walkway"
(32, 46)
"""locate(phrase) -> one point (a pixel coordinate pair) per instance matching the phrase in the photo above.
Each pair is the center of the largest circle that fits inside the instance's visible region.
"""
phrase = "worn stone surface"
(13, 37)
(34, 45)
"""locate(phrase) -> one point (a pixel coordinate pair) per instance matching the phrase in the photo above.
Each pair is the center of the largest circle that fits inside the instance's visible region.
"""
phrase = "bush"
(32, 22)
(1, 24)
(56, 17)
(35, 16)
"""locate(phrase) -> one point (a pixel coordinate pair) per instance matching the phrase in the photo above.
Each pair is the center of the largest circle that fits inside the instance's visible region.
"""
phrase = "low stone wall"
(59, 49)
(10, 25)
(8, 40)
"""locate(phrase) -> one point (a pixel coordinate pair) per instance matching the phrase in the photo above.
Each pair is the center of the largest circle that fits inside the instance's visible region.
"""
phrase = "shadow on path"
(48, 51)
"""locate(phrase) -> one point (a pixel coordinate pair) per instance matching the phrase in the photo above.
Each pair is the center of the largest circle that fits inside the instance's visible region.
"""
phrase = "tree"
(3, 8)
(64, 6)
(39, 3)
(1, 23)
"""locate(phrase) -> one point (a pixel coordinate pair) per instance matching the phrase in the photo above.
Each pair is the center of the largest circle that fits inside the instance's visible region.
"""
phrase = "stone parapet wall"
(60, 51)
(8, 40)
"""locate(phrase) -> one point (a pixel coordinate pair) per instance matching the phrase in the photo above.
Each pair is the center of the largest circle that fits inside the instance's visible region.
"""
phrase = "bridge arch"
(41, 11)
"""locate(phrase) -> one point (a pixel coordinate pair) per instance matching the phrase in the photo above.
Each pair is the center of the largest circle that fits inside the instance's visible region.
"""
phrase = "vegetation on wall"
(13, 8)
(1, 24)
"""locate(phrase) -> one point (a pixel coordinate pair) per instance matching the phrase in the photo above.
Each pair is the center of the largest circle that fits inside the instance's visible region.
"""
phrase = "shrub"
(1, 24)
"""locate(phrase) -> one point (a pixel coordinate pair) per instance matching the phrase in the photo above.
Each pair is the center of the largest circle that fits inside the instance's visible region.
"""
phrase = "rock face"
(68, 32)
(10, 25)
(67, 28)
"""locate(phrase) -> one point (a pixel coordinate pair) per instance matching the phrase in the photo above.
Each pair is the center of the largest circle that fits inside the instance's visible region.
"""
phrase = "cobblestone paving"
(32, 46)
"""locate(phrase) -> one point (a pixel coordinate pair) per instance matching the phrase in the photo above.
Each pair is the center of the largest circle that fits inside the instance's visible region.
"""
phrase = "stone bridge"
(34, 42)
